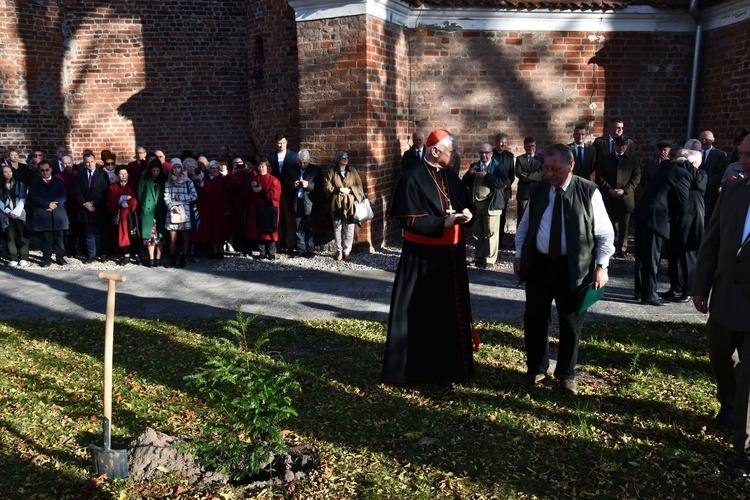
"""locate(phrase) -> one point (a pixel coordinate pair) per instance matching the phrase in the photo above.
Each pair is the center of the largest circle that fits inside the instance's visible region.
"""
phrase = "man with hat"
(618, 175)
(430, 330)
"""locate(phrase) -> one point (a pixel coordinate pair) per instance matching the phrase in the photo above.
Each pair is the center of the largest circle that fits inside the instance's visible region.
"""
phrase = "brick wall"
(353, 85)
(169, 75)
(540, 84)
(725, 84)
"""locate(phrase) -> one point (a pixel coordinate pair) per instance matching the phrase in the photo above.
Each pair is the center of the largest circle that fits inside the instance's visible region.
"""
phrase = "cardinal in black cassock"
(431, 337)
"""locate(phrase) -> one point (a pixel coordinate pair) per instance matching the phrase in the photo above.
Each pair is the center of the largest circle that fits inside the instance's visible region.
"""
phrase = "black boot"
(172, 260)
(183, 260)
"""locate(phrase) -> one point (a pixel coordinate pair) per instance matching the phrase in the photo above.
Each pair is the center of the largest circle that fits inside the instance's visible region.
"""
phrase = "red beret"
(436, 136)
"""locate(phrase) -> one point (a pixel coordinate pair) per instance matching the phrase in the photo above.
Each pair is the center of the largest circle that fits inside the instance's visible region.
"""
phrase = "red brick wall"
(540, 84)
(272, 52)
(169, 75)
(725, 90)
(353, 81)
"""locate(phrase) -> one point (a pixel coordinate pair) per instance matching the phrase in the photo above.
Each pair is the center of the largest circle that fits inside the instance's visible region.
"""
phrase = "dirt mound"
(152, 454)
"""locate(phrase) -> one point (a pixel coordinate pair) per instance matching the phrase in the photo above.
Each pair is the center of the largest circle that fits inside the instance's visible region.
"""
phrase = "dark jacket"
(42, 194)
(494, 179)
(310, 194)
(687, 229)
(505, 168)
(411, 159)
(528, 171)
(653, 209)
(588, 165)
(290, 160)
(96, 193)
(623, 173)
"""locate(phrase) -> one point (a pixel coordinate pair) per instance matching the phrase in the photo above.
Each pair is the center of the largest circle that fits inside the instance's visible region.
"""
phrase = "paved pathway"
(203, 291)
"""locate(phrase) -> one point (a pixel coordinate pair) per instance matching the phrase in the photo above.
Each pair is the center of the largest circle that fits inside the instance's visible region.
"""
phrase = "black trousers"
(550, 280)
(53, 242)
(680, 265)
(647, 253)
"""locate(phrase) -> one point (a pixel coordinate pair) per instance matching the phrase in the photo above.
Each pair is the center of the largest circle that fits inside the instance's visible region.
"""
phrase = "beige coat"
(333, 182)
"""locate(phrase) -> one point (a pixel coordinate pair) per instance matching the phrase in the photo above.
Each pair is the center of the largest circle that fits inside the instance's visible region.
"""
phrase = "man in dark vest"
(564, 241)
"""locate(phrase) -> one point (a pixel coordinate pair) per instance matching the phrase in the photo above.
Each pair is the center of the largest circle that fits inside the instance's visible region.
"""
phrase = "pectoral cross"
(450, 210)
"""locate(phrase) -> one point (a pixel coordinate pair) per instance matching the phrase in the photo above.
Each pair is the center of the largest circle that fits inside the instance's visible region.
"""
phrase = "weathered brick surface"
(170, 75)
(725, 84)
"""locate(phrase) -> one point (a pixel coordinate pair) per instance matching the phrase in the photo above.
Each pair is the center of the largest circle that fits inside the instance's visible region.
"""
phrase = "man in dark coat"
(48, 196)
(529, 169)
(723, 272)
(618, 175)
(505, 168)
(415, 154)
(686, 230)
(91, 188)
(652, 215)
(606, 143)
(714, 163)
(584, 155)
(303, 183)
(430, 332)
(281, 161)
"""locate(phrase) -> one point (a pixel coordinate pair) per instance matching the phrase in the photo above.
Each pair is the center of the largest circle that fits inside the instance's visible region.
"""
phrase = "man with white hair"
(430, 332)
(714, 163)
(303, 183)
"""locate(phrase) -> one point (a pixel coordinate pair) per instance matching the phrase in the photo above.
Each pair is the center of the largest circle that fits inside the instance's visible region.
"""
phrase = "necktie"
(611, 145)
(46, 181)
(705, 155)
(580, 154)
(617, 155)
(90, 176)
(555, 231)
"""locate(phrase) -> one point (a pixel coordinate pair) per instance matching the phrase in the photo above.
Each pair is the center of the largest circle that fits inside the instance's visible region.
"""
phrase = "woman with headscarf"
(13, 218)
(121, 201)
(179, 191)
(153, 210)
(343, 185)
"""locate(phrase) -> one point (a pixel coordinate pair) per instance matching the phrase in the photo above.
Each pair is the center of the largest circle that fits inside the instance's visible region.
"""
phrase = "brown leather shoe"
(339, 256)
(569, 385)
(530, 379)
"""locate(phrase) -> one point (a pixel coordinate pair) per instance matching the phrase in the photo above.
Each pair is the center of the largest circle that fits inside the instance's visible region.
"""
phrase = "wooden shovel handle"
(113, 277)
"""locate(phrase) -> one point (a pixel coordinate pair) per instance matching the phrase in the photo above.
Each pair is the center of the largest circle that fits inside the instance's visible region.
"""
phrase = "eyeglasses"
(344, 157)
(109, 163)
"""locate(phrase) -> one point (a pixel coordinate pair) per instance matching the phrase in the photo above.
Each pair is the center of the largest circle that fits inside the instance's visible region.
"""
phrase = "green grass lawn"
(640, 426)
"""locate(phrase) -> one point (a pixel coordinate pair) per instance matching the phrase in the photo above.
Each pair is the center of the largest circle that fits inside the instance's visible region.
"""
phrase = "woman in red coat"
(121, 201)
(265, 189)
(216, 209)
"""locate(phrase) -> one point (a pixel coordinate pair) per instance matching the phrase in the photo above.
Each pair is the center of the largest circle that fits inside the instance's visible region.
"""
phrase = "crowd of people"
(574, 205)
(154, 211)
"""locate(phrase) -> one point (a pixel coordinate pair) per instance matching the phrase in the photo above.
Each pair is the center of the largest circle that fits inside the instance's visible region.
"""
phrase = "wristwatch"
(602, 266)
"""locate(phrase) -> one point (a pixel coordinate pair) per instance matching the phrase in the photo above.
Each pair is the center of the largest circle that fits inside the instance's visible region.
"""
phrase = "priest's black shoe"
(657, 302)
(669, 294)
(683, 298)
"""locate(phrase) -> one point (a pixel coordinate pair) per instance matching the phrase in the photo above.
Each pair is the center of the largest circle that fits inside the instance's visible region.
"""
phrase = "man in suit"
(686, 230)
(723, 271)
(649, 166)
(529, 169)
(504, 159)
(57, 164)
(282, 160)
(91, 188)
(714, 163)
(48, 197)
(415, 154)
(68, 178)
(584, 155)
(486, 187)
(555, 255)
(303, 183)
(652, 213)
(606, 143)
(618, 175)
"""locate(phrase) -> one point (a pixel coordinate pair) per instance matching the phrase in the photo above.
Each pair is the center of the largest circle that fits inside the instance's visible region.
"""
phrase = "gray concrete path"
(204, 291)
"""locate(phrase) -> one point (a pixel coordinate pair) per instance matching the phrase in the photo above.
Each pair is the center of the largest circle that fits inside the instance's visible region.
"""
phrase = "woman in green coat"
(153, 210)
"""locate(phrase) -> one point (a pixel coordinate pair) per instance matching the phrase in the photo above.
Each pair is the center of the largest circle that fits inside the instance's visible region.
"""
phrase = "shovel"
(113, 463)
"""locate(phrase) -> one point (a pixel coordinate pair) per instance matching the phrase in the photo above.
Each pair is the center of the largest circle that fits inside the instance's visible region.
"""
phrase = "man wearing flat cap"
(430, 332)
(618, 175)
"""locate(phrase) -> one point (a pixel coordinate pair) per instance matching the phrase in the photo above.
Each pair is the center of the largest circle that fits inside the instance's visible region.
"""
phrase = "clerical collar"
(436, 167)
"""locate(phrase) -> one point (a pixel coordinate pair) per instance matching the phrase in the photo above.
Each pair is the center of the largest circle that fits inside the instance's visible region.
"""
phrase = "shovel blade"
(113, 463)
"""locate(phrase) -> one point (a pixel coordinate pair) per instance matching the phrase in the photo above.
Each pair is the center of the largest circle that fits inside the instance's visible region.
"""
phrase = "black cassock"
(430, 332)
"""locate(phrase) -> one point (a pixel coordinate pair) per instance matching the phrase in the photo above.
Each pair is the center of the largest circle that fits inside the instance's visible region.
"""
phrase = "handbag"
(267, 218)
(134, 224)
(179, 216)
(363, 210)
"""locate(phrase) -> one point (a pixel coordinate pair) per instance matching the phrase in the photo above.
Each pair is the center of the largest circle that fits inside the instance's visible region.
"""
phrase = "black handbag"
(267, 219)
(134, 224)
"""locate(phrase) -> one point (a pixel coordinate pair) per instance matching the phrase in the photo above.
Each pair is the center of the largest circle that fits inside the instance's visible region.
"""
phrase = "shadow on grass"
(489, 433)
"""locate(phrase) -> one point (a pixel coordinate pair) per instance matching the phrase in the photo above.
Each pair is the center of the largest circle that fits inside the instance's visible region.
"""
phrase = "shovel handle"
(113, 277)
(109, 335)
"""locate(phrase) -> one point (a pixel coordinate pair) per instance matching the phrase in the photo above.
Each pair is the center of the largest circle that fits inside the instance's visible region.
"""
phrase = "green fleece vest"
(579, 227)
